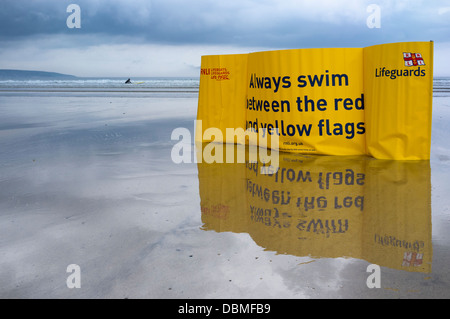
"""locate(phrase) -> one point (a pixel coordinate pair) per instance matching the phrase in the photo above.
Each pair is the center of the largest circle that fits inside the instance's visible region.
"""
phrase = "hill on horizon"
(7, 74)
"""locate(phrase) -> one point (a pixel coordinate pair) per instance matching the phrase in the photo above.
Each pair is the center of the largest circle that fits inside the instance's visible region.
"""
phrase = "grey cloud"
(243, 23)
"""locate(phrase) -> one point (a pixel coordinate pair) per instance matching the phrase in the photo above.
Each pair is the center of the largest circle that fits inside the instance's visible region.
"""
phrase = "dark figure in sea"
(128, 81)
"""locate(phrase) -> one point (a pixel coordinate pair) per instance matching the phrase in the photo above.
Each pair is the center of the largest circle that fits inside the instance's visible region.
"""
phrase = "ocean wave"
(103, 83)
(441, 85)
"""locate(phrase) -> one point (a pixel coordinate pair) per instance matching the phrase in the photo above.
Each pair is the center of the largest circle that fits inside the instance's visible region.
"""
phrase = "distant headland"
(32, 75)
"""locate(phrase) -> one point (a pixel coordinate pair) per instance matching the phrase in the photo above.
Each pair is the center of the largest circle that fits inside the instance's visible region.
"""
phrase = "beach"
(87, 179)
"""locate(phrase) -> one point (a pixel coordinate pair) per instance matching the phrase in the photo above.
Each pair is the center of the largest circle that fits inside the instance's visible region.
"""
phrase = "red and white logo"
(413, 59)
(412, 259)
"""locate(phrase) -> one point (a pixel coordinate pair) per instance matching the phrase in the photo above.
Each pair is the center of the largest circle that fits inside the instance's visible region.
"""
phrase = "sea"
(441, 86)
(103, 86)
(138, 87)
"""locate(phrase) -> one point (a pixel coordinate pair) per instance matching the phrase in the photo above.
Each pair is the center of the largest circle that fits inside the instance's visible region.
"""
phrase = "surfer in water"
(128, 81)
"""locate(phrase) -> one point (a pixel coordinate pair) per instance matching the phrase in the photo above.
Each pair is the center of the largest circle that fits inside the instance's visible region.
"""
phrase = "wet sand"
(88, 179)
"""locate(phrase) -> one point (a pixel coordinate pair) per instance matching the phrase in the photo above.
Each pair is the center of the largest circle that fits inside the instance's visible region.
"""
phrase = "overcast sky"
(133, 38)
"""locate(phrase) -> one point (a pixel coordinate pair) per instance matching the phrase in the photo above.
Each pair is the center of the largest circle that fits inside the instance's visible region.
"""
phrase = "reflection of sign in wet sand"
(326, 206)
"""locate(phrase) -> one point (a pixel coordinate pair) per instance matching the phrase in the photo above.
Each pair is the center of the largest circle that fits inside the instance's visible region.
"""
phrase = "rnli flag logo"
(413, 59)
(412, 259)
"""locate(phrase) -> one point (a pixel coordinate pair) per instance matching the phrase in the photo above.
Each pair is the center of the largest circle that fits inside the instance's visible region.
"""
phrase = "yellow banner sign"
(343, 101)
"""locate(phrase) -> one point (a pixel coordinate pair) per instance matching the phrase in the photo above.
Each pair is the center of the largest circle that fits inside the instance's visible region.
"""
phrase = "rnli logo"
(412, 259)
(413, 59)
(218, 74)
